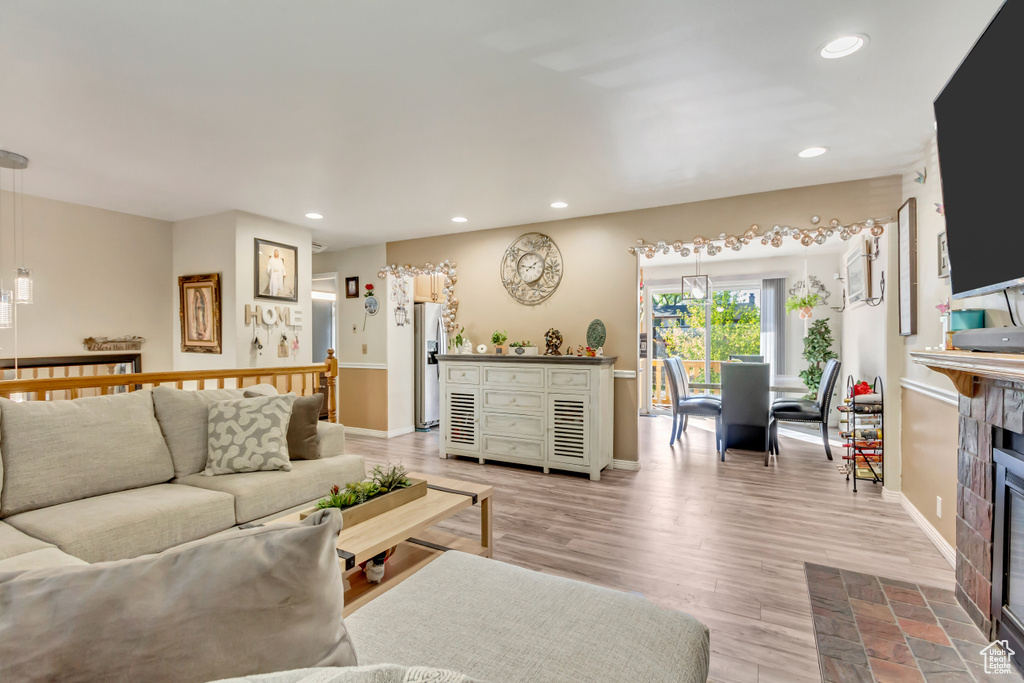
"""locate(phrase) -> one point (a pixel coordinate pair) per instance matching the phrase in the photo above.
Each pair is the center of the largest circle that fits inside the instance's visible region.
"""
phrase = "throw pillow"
(248, 435)
(240, 603)
(302, 442)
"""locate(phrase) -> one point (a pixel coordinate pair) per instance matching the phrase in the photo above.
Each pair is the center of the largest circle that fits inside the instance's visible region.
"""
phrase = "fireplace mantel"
(964, 366)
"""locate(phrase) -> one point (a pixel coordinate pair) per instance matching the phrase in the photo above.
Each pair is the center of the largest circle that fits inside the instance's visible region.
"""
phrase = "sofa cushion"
(249, 435)
(302, 427)
(129, 523)
(183, 418)
(14, 542)
(330, 439)
(376, 673)
(60, 451)
(258, 494)
(40, 559)
(254, 601)
(526, 626)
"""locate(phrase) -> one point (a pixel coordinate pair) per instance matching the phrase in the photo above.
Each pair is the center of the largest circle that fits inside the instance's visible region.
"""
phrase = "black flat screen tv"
(980, 129)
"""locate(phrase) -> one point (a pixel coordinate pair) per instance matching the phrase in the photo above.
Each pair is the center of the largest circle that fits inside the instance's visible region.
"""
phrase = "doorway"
(325, 311)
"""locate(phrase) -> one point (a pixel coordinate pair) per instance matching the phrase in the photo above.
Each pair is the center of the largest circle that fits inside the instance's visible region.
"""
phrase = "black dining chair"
(808, 411)
(746, 407)
(684, 405)
(746, 359)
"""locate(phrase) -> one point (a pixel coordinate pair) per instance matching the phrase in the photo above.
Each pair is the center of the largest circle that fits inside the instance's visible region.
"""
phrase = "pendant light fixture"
(22, 292)
(23, 276)
(696, 287)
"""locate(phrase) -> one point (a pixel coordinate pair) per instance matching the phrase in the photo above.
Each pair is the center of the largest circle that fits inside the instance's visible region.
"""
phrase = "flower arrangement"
(861, 388)
(369, 290)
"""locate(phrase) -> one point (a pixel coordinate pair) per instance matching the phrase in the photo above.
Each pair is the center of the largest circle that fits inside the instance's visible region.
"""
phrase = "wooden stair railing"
(303, 380)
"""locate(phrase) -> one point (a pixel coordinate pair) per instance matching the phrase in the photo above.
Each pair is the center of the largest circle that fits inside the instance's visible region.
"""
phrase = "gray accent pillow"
(59, 451)
(240, 603)
(248, 435)
(302, 442)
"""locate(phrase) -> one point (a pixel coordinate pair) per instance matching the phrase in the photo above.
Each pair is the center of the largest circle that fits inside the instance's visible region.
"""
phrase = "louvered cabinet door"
(569, 425)
(462, 428)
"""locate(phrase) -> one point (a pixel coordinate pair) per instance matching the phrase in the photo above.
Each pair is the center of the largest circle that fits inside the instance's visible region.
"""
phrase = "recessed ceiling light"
(843, 46)
(459, 219)
(558, 205)
(812, 152)
(314, 215)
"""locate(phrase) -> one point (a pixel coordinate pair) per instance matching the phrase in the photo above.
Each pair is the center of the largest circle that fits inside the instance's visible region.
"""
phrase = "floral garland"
(451, 305)
(773, 237)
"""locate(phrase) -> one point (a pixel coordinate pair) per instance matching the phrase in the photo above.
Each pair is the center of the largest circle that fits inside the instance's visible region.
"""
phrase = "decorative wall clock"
(531, 268)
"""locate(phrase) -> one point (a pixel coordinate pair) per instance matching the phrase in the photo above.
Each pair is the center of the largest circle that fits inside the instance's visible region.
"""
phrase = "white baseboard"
(931, 532)
(633, 465)
(379, 433)
(891, 496)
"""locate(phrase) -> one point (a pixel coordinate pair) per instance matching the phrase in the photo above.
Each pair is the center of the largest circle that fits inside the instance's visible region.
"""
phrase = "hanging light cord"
(1009, 308)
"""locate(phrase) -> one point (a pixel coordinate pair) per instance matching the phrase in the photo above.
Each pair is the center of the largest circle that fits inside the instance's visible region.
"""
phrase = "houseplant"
(817, 352)
(456, 345)
(499, 339)
(805, 304)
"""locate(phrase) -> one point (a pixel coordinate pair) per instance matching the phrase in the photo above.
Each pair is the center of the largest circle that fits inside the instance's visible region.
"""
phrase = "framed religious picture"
(199, 310)
(908, 267)
(352, 287)
(276, 268)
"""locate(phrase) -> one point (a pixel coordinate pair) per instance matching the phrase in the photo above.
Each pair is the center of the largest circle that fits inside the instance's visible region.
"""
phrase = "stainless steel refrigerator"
(431, 340)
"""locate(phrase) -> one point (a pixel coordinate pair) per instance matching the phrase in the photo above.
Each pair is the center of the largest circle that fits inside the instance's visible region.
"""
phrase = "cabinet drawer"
(462, 374)
(568, 379)
(513, 425)
(513, 401)
(532, 378)
(522, 449)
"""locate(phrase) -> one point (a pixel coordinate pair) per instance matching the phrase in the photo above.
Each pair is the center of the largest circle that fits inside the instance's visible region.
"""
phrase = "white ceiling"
(390, 117)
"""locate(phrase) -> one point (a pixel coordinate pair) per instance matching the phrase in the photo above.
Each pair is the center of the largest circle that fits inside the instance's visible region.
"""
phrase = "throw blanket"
(379, 673)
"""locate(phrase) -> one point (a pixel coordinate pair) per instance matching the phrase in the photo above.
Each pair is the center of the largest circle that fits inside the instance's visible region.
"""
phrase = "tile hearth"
(872, 629)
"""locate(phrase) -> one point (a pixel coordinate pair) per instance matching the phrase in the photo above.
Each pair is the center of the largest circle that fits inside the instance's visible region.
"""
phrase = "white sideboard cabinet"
(555, 412)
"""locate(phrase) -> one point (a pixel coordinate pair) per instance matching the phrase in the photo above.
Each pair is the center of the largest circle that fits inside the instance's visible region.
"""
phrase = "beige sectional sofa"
(115, 477)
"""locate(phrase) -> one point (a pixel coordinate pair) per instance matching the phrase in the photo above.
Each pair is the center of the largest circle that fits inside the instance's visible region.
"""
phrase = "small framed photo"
(199, 311)
(352, 287)
(858, 273)
(943, 255)
(276, 268)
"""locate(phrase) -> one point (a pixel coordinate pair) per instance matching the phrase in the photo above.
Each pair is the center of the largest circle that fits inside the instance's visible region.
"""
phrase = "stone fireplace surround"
(991, 390)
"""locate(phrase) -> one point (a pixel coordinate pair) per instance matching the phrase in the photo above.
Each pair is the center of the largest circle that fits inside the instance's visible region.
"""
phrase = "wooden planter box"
(378, 504)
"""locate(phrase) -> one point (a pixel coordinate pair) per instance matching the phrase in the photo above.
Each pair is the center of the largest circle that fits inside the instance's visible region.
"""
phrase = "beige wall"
(363, 398)
(361, 262)
(96, 273)
(929, 438)
(599, 275)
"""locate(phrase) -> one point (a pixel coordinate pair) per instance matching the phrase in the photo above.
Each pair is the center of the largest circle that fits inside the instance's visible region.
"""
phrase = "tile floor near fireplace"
(873, 629)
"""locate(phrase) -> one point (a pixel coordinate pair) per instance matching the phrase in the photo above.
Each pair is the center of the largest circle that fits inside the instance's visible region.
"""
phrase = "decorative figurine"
(553, 340)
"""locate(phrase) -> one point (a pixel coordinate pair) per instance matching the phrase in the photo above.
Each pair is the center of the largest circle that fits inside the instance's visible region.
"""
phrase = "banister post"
(332, 390)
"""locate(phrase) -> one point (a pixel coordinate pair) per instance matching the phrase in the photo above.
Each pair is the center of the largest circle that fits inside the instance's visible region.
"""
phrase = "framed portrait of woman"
(199, 310)
(276, 271)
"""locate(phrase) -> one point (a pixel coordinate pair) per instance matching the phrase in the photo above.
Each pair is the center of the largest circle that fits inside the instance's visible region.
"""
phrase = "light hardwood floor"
(725, 542)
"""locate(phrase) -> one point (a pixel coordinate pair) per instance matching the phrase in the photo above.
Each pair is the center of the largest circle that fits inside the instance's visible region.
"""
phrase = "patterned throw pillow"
(249, 435)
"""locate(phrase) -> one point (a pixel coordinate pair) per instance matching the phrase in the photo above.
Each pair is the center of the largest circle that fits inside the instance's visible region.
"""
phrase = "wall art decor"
(450, 305)
(943, 264)
(199, 313)
(132, 343)
(400, 295)
(352, 288)
(275, 268)
(858, 273)
(907, 281)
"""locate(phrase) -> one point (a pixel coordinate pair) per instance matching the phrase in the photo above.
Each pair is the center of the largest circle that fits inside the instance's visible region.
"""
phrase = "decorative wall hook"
(877, 300)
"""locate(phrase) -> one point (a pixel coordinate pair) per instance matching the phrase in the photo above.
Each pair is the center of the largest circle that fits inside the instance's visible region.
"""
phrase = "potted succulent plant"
(805, 304)
(499, 339)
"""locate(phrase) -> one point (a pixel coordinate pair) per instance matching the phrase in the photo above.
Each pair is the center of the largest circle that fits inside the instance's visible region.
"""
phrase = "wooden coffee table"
(409, 529)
